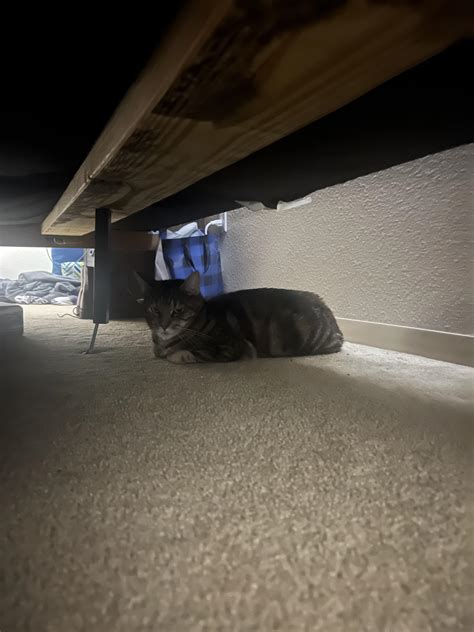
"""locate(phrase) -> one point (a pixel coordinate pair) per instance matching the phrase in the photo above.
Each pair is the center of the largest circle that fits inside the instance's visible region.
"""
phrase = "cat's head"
(171, 306)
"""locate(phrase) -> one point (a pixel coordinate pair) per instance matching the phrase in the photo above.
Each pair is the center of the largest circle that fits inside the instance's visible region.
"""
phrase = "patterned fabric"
(61, 255)
(201, 253)
(72, 269)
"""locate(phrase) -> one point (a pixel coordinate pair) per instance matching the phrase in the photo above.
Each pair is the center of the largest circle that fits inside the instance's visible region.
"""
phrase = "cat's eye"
(177, 310)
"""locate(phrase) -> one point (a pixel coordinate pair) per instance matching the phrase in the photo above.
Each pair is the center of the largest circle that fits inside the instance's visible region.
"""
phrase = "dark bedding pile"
(40, 288)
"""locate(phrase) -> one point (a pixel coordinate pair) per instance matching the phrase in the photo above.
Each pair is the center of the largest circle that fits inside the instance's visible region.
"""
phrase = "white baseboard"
(439, 345)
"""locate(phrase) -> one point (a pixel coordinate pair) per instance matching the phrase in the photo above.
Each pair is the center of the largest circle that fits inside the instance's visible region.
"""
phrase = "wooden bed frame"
(233, 76)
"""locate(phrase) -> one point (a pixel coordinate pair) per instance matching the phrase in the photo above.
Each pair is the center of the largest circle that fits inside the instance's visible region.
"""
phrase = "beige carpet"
(325, 494)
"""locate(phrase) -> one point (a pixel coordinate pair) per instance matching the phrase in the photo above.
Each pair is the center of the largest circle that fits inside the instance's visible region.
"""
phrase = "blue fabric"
(201, 253)
(61, 255)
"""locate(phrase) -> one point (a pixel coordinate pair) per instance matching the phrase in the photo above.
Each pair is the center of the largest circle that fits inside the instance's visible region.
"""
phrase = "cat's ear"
(192, 285)
(138, 287)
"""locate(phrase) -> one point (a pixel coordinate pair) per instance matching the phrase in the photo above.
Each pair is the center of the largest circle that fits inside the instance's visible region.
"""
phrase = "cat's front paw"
(182, 357)
(158, 351)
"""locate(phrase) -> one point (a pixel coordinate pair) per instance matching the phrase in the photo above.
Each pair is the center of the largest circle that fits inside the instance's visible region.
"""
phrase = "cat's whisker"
(194, 331)
(188, 341)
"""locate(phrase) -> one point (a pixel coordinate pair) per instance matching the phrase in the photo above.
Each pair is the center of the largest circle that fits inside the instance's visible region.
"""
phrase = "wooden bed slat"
(233, 76)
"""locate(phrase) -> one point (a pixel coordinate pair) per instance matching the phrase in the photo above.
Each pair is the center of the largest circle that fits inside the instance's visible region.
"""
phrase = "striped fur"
(251, 323)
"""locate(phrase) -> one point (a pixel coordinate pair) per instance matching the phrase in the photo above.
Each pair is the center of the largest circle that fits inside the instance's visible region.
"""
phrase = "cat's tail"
(334, 339)
(334, 344)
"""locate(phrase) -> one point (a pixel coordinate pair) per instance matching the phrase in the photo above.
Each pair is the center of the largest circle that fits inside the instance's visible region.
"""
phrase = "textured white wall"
(15, 260)
(394, 247)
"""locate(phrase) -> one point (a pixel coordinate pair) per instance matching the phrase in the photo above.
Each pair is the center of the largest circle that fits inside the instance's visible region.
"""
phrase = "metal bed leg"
(101, 301)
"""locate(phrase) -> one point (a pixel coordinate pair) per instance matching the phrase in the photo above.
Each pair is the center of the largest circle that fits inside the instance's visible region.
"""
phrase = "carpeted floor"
(324, 495)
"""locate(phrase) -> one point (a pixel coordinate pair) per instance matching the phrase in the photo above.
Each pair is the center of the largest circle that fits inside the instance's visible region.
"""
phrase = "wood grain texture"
(234, 76)
(30, 236)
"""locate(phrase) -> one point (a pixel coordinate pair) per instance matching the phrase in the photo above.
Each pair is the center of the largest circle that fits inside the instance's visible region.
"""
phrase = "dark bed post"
(101, 301)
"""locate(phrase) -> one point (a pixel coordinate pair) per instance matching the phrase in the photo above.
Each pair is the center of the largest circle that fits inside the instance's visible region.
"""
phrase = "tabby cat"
(251, 323)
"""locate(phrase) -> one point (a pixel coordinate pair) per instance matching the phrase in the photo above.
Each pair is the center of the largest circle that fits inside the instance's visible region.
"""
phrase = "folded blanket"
(46, 277)
(38, 287)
